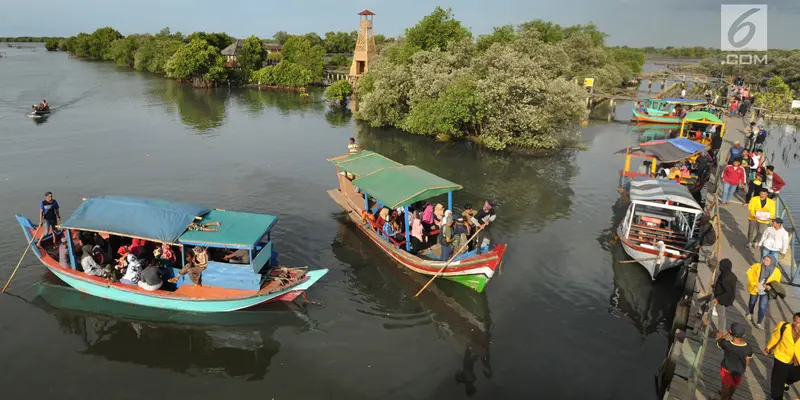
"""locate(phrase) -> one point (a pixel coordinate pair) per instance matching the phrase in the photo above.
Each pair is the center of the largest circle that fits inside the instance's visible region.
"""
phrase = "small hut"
(231, 52)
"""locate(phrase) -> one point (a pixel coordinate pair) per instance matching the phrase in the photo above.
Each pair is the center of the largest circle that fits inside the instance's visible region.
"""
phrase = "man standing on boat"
(484, 218)
(49, 214)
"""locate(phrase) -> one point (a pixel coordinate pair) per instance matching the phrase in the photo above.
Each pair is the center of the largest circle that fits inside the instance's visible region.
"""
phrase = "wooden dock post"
(649, 85)
(663, 84)
(612, 104)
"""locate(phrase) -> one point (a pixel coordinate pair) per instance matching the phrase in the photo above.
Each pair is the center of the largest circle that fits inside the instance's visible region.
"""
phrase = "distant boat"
(40, 113)
(224, 286)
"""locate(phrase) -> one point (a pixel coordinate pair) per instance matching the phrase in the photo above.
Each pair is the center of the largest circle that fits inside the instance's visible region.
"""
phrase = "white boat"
(658, 230)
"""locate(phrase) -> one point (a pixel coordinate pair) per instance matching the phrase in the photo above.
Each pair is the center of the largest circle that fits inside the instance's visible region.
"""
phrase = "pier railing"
(783, 212)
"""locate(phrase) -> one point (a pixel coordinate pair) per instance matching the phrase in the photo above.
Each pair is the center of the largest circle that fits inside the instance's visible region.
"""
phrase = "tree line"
(197, 57)
(28, 39)
(519, 86)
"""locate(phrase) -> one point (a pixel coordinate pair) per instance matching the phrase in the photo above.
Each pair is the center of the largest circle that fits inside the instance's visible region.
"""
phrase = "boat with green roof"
(369, 181)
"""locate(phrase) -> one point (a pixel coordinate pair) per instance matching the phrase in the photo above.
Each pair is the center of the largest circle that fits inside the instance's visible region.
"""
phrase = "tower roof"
(366, 12)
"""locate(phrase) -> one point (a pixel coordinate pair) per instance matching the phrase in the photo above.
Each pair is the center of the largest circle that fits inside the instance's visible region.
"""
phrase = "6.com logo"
(744, 28)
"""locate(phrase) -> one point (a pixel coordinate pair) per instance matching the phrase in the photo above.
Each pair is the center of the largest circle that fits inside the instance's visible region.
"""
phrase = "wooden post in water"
(649, 85)
(663, 84)
(612, 106)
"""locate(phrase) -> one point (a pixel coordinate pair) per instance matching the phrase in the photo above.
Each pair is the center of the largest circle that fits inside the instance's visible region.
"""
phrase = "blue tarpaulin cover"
(152, 219)
(687, 145)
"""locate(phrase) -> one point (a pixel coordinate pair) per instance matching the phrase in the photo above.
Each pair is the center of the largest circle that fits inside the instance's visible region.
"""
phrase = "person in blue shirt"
(388, 230)
(49, 214)
(735, 152)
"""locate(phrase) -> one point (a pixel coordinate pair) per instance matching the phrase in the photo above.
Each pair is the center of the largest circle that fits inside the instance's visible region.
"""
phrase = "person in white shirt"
(774, 240)
(683, 93)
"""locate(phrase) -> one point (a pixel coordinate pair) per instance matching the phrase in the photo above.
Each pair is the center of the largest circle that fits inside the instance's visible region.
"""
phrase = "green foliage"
(314, 39)
(340, 60)
(154, 53)
(340, 42)
(298, 50)
(509, 88)
(51, 44)
(123, 51)
(339, 92)
(500, 34)
(252, 54)
(218, 40)
(284, 74)
(97, 45)
(197, 60)
(281, 37)
(28, 39)
(436, 30)
(776, 97)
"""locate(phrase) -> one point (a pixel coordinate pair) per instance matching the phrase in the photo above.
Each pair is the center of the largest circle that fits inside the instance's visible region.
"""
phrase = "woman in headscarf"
(427, 217)
(438, 214)
(416, 233)
(724, 292)
(759, 277)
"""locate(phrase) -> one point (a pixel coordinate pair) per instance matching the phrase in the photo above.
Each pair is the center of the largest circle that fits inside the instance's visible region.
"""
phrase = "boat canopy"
(403, 185)
(151, 219)
(239, 229)
(363, 163)
(691, 102)
(701, 116)
(646, 189)
(668, 150)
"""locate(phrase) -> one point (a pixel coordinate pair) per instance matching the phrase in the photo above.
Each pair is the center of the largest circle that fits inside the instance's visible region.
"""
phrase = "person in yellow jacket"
(759, 276)
(784, 345)
(762, 211)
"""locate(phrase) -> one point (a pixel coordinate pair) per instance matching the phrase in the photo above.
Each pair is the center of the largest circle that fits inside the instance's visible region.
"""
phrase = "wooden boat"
(368, 180)
(657, 152)
(660, 107)
(700, 121)
(225, 286)
(641, 117)
(40, 113)
(659, 226)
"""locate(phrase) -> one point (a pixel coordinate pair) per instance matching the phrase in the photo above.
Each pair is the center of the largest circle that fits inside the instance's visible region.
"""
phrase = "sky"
(635, 23)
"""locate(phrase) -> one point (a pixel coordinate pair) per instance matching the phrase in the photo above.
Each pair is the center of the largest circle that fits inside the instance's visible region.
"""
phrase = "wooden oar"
(449, 261)
(36, 232)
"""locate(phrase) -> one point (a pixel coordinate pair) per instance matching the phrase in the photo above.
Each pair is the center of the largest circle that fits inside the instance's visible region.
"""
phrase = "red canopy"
(366, 12)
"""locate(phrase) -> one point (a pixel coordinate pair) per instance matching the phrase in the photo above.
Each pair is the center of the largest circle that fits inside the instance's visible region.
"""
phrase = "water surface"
(563, 320)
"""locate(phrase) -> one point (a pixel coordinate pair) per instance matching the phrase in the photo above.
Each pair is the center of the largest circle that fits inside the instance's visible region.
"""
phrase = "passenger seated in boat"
(383, 216)
(460, 233)
(389, 230)
(674, 172)
(468, 214)
(63, 252)
(237, 257)
(207, 227)
(34, 108)
(167, 255)
(150, 278)
(90, 266)
(45, 106)
(196, 263)
(438, 215)
(130, 266)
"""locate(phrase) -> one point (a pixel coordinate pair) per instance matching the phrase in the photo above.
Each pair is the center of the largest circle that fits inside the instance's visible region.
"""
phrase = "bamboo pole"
(448, 262)
(36, 232)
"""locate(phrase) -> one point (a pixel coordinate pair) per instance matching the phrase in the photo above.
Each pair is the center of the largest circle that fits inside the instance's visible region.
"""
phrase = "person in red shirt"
(732, 176)
(773, 182)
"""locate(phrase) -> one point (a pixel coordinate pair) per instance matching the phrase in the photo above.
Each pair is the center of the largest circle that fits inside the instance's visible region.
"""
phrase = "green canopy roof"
(701, 116)
(236, 229)
(403, 185)
(363, 163)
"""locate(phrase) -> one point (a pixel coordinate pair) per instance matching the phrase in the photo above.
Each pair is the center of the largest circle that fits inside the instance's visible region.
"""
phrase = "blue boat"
(224, 286)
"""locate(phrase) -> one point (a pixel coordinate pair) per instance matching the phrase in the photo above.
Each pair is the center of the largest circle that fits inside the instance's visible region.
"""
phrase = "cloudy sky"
(629, 22)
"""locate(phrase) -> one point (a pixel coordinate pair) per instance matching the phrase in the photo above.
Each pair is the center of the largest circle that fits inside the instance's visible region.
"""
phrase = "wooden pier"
(691, 370)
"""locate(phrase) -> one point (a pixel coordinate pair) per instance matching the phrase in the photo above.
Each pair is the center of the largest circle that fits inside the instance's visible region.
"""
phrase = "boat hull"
(645, 256)
(653, 119)
(468, 270)
(222, 301)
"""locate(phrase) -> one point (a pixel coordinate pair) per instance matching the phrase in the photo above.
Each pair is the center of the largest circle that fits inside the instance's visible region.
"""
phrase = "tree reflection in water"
(531, 190)
(256, 101)
(386, 290)
(649, 305)
(202, 110)
(237, 344)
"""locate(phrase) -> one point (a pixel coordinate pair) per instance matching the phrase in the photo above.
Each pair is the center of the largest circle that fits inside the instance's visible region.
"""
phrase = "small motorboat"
(37, 113)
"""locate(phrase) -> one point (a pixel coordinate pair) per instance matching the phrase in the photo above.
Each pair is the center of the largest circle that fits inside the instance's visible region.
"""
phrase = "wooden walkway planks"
(734, 246)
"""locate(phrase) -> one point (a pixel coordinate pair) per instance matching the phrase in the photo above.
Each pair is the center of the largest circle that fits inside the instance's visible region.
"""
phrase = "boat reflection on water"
(235, 344)
(649, 305)
(648, 132)
(460, 315)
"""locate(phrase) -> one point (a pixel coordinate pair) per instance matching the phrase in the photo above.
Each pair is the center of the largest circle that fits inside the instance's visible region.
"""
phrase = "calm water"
(563, 320)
